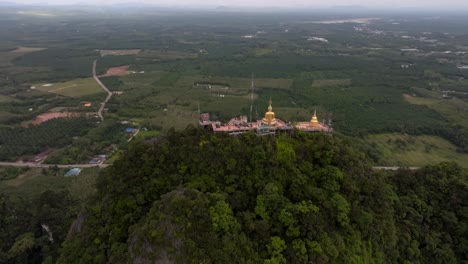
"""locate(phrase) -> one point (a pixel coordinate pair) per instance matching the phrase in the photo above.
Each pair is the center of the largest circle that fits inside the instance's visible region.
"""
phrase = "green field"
(331, 82)
(5, 116)
(74, 88)
(6, 99)
(406, 150)
(166, 54)
(236, 84)
(147, 134)
(358, 77)
(140, 81)
(263, 51)
(7, 56)
(34, 181)
(455, 110)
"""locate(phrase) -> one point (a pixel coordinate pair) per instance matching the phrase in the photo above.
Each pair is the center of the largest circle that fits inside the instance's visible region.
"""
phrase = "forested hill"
(194, 197)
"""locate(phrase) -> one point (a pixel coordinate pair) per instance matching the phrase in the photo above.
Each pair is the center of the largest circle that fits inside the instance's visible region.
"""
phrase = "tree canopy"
(195, 197)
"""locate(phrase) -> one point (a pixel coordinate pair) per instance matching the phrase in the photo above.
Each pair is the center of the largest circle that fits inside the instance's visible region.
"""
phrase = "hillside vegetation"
(193, 197)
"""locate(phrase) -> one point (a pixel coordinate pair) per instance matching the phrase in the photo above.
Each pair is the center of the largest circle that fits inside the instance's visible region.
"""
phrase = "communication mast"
(252, 85)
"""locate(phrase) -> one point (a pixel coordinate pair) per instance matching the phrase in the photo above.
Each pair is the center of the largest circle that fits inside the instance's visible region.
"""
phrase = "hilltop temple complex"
(267, 125)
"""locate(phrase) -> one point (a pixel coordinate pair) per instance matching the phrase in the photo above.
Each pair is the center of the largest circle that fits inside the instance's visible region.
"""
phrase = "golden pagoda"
(269, 118)
(314, 121)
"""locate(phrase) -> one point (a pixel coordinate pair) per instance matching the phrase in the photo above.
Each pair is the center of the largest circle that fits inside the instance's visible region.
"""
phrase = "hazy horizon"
(429, 4)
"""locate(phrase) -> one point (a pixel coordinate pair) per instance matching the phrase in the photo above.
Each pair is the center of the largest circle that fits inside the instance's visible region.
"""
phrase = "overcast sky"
(272, 3)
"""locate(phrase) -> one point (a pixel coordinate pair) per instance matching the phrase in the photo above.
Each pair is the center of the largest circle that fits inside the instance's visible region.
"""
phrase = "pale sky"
(446, 4)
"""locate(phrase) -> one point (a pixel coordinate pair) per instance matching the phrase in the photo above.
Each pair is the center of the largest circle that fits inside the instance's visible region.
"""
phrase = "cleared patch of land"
(119, 52)
(4, 99)
(263, 51)
(406, 150)
(147, 134)
(7, 56)
(141, 81)
(236, 83)
(34, 181)
(117, 71)
(455, 110)
(167, 54)
(5, 116)
(26, 49)
(74, 88)
(331, 82)
(48, 116)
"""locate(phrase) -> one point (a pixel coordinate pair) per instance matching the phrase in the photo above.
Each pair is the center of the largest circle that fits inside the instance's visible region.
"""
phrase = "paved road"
(37, 165)
(394, 168)
(134, 135)
(109, 93)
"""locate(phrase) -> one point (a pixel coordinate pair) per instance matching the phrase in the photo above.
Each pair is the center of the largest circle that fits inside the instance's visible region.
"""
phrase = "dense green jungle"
(196, 197)
(392, 85)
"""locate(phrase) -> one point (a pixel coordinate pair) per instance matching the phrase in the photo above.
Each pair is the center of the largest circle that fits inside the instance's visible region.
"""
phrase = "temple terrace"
(268, 125)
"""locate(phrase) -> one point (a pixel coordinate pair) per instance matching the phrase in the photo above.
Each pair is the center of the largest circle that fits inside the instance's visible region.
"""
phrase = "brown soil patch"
(117, 71)
(48, 116)
(406, 96)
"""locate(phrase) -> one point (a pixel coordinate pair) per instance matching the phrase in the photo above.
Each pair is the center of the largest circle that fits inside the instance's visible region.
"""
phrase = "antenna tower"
(252, 85)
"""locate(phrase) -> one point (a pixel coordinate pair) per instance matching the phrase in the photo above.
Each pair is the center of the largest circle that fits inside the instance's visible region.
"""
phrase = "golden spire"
(270, 109)
(314, 121)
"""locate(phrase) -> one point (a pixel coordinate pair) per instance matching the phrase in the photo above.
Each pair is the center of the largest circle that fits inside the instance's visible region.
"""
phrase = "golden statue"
(269, 118)
(314, 120)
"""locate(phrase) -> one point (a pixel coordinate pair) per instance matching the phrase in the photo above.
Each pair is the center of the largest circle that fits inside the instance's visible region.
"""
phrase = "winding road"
(40, 165)
(109, 93)
(101, 116)
(103, 105)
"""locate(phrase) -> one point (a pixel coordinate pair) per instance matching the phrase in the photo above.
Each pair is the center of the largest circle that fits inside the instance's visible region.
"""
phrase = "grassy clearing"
(147, 134)
(176, 116)
(455, 110)
(119, 52)
(36, 180)
(7, 56)
(331, 82)
(6, 99)
(140, 81)
(8, 172)
(74, 88)
(243, 84)
(24, 50)
(261, 52)
(166, 54)
(5, 116)
(406, 150)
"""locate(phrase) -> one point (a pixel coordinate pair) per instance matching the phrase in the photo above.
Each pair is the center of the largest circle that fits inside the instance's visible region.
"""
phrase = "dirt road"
(395, 168)
(109, 93)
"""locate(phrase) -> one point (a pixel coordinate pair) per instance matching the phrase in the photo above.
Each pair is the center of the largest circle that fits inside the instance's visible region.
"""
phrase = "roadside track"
(38, 165)
(109, 93)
